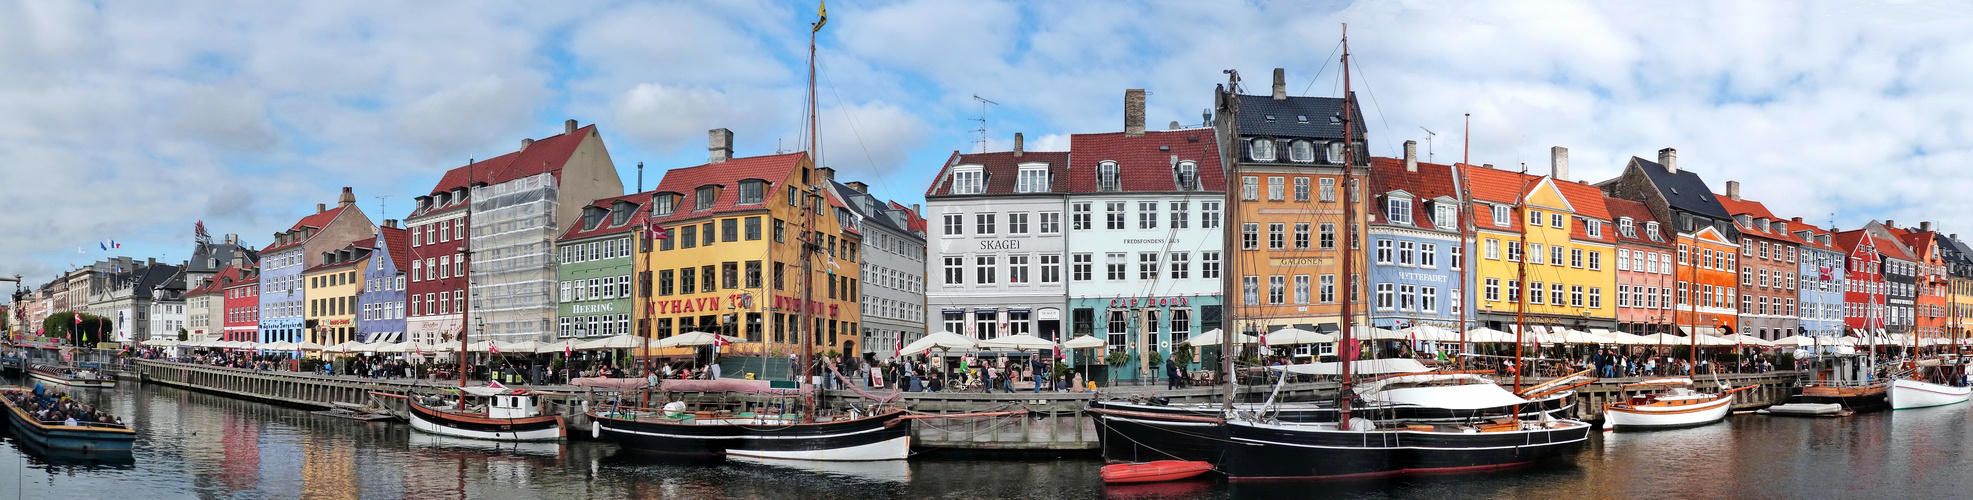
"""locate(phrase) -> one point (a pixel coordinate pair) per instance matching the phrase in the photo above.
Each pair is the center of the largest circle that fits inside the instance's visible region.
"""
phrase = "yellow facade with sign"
(329, 310)
(1567, 281)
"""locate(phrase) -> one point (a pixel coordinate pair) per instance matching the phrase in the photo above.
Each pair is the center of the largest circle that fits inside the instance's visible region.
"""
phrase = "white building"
(995, 239)
(893, 268)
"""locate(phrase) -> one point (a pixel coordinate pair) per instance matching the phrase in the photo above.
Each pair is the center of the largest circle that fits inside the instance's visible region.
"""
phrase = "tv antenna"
(982, 119)
(1431, 156)
(381, 210)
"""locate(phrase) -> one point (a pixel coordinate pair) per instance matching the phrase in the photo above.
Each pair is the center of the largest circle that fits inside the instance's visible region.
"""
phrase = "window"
(1147, 265)
(1458, 256)
(1594, 228)
(705, 197)
(1113, 265)
(1326, 188)
(1493, 249)
(1513, 251)
(1301, 289)
(1250, 289)
(1051, 268)
(753, 274)
(1179, 216)
(1493, 289)
(1080, 265)
(1535, 218)
(1595, 297)
(983, 224)
(753, 229)
(1107, 177)
(985, 269)
(955, 270)
(1623, 260)
(1407, 253)
(1080, 216)
(1051, 222)
(751, 192)
(1276, 235)
(1596, 260)
(1327, 294)
(1261, 149)
(1576, 258)
(1035, 180)
(1017, 269)
(1274, 188)
(1208, 215)
(1209, 265)
(1444, 215)
(969, 181)
(1623, 295)
(1017, 223)
(1300, 151)
(1301, 235)
(1147, 215)
(1113, 214)
(1500, 215)
(1383, 252)
(1554, 255)
(1277, 289)
(1335, 151)
(1301, 189)
(1119, 332)
(1188, 176)
(729, 230)
(706, 277)
(1575, 295)
(1555, 220)
(1555, 294)
(1181, 265)
(1326, 236)
(1250, 238)
(1398, 209)
(1535, 293)
(1250, 188)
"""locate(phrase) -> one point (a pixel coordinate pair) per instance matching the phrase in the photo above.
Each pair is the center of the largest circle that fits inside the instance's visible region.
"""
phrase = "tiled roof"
(1003, 169)
(317, 221)
(639, 215)
(775, 169)
(1684, 190)
(214, 284)
(1144, 163)
(917, 221)
(1919, 242)
(1430, 181)
(1745, 206)
(1507, 188)
(1893, 248)
(396, 240)
(1640, 215)
(548, 155)
(1288, 115)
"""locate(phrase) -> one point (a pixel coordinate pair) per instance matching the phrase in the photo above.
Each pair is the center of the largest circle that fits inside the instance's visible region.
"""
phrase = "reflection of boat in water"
(436, 441)
(891, 471)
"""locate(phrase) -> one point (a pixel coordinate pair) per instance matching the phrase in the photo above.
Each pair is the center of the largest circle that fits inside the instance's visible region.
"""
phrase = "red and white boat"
(1151, 472)
(1672, 404)
(1907, 394)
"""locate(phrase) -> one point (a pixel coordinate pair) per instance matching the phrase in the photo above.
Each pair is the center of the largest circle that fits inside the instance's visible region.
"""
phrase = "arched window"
(1262, 149)
(1336, 153)
(1301, 151)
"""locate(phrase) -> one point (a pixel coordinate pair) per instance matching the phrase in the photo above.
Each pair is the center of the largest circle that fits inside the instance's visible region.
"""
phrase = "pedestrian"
(1172, 373)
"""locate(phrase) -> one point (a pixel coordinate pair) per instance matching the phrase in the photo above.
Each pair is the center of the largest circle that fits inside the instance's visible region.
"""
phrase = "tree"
(91, 330)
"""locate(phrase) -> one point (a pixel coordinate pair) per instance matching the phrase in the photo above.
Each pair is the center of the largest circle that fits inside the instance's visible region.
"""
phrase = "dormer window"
(1262, 149)
(1107, 177)
(753, 191)
(1500, 215)
(1593, 227)
(1032, 180)
(1188, 176)
(1652, 227)
(1301, 151)
(1398, 209)
(969, 181)
(706, 196)
(664, 204)
(1445, 215)
(1627, 227)
(1336, 153)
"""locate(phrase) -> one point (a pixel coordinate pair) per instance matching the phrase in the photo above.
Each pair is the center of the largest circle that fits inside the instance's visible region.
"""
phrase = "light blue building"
(1414, 244)
(282, 296)
(380, 306)
(1821, 269)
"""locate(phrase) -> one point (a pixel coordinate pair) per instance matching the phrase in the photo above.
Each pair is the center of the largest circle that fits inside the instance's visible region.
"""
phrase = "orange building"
(1708, 240)
(1930, 288)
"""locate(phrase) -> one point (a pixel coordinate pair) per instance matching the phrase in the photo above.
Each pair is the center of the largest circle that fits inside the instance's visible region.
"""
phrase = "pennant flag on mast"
(821, 14)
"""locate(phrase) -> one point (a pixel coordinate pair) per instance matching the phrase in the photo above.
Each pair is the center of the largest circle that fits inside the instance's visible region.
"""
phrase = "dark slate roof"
(873, 210)
(1002, 169)
(1683, 190)
(204, 254)
(160, 275)
(1254, 110)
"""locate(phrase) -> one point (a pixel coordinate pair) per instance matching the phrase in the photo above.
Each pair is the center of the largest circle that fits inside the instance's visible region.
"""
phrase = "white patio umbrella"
(694, 339)
(612, 342)
(278, 346)
(343, 347)
(1745, 339)
(1211, 337)
(1431, 332)
(1018, 342)
(1621, 338)
(484, 346)
(395, 348)
(1297, 336)
(1803, 341)
(1091, 342)
(1366, 332)
(1485, 335)
(528, 347)
(308, 346)
(941, 340)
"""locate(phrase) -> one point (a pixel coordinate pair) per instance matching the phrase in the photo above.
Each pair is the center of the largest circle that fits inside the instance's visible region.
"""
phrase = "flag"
(821, 14)
(568, 348)
(81, 251)
(492, 347)
(78, 318)
(105, 245)
(720, 341)
(495, 384)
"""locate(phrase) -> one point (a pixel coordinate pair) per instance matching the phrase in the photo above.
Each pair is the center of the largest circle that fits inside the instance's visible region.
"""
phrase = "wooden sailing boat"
(1672, 401)
(1356, 447)
(1930, 382)
(875, 434)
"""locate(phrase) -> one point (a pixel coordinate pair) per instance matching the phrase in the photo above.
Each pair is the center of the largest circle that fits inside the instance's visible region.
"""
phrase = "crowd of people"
(58, 407)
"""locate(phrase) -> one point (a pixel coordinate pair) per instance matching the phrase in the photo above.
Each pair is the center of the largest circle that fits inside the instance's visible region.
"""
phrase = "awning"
(1705, 330)
(1360, 367)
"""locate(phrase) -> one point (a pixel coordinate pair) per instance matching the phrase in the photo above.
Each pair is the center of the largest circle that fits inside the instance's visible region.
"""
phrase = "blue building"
(380, 306)
(282, 295)
(1414, 244)
(1821, 267)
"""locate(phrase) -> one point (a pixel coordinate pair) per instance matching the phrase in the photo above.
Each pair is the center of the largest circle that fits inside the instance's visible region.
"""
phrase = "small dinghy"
(1807, 410)
(1151, 472)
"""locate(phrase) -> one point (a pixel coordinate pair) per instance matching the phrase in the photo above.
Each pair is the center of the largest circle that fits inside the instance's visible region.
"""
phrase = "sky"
(129, 121)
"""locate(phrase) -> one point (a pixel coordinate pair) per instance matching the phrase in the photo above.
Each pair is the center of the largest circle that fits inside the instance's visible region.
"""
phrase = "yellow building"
(731, 262)
(1565, 231)
(330, 312)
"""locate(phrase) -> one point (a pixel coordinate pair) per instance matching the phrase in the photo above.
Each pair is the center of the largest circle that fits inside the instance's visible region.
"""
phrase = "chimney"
(348, 198)
(1798, 220)
(828, 173)
(1888, 223)
(1133, 112)
(1488, 166)
(1669, 158)
(232, 238)
(859, 186)
(321, 207)
(568, 127)
(390, 223)
(1411, 156)
(916, 209)
(1019, 143)
(1280, 84)
(1925, 226)
(1558, 163)
(525, 142)
(722, 145)
(1733, 190)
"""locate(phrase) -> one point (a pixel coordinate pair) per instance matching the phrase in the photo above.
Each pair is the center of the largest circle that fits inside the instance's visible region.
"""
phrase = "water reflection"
(199, 445)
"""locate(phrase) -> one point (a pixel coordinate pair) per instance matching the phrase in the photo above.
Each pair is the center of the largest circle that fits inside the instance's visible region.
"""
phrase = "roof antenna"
(381, 207)
(982, 119)
(1431, 156)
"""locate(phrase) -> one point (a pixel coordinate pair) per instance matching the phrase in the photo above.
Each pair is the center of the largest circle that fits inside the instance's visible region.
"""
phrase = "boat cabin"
(510, 406)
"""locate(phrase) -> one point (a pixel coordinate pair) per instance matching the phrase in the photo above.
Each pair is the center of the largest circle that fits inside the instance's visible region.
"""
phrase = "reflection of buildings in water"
(240, 455)
(328, 468)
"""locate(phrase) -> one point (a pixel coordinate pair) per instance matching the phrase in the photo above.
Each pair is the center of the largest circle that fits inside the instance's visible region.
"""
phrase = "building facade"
(996, 242)
(1707, 267)
(1930, 288)
(380, 302)
(1959, 275)
(242, 304)
(893, 269)
(284, 300)
(1768, 266)
(331, 289)
(1564, 231)
(1821, 273)
(1644, 269)
(1417, 244)
(596, 269)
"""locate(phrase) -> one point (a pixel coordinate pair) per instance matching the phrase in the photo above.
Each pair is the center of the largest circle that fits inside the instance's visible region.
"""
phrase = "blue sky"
(132, 120)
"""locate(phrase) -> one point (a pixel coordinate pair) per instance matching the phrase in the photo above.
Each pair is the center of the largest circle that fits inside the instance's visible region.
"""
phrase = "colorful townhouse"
(893, 269)
(1768, 265)
(1545, 236)
(1930, 288)
(241, 285)
(1644, 269)
(330, 314)
(596, 269)
(1161, 242)
(1821, 281)
(1899, 270)
(1417, 244)
(283, 293)
(1706, 270)
(732, 259)
(1959, 272)
(1864, 290)
(380, 300)
(205, 310)
(1288, 154)
(996, 241)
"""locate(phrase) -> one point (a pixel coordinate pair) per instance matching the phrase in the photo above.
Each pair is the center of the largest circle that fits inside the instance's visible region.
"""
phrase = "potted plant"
(1116, 358)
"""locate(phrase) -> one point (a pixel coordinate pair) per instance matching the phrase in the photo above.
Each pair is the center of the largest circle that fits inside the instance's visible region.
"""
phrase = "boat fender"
(595, 430)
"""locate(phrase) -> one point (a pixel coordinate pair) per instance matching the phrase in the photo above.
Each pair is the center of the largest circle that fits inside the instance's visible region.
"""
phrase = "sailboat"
(1930, 382)
(790, 432)
(1671, 402)
(1354, 447)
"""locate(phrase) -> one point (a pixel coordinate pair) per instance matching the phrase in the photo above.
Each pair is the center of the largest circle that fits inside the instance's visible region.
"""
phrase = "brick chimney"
(525, 142)
(1925, 226)
(568, 127)
(1411, 156)
(858, 186)
(828, 173)
(348, 198)
(390, 223)
(1669, 158)
(1558, 163)
(1018, 144)
(1733, 190)
(321, 207)
(1280, 84)
(722, 145)
(1133, 112)
(1888, 223)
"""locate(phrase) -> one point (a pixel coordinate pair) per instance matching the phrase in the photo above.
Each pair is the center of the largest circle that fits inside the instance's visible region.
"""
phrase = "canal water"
(195, 445)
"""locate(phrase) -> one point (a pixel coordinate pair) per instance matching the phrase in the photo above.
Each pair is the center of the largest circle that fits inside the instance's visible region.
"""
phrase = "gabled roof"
(365, 245)
(917, 221)
(1003, 170)
(640, 214)
(774, 169)
(1684, 190)
(1850, 240)
(217, 282)
(872, 210)
(396, 242)
(1287, 117)
(1640, 216)
(1892, 248)
(1430, 181)
(1144, 163)
(248, 276)
(1955, 250)
(546, 155)
(318, 221)
(1918, 242)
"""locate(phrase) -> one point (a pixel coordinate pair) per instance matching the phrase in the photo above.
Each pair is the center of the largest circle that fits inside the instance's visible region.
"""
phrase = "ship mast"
(1465, 226)
(1521, 280)
(809, 238)
(1347, 349)
(1229, 109)
(466, 250)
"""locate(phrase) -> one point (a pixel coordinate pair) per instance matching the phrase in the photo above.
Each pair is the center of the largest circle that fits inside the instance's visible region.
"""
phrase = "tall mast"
(808, 239)
(465, 320)
(1465, 228)
(1521, 278)
(1347, 350)
(1229, 109)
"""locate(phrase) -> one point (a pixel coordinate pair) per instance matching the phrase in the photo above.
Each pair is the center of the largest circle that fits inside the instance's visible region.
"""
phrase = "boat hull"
(885, 436)
(435, 421)
(1303, 451)
(1144, 437)
(55, 378)
(58, 437)
(1857, 399)
(1908, 394)
(1668, 417)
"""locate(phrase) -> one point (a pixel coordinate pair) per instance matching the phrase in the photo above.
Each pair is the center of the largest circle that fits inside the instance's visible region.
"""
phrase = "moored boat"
(854, 437)
(505, 415)
(1151, 472)
(66, 435)
(1908, 394)
(1365, 450)
(71, 377)
(1674, 404)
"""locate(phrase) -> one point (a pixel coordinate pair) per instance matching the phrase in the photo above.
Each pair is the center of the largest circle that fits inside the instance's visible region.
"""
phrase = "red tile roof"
(1003, 169)
(547, 154)
(775, 169)
(1893, 248)
(1640, 215)
(1507, 188)
(917, 222)
(1744, 206)
(215, 284)
(1430, 181)
(639, 215)
(317, 221)
(1144, 163)
(396, 239)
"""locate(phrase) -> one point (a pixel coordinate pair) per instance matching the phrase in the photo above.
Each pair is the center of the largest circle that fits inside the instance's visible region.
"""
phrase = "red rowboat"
(1150, 472)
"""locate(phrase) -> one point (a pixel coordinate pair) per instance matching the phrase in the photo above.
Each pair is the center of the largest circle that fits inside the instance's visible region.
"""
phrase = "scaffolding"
(513, 266)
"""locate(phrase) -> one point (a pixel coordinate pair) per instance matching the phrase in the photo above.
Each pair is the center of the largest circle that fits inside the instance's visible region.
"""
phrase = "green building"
(595, 269)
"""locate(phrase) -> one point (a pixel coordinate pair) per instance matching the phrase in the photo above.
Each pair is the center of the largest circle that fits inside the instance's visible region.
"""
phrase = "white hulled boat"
(1671, 403)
